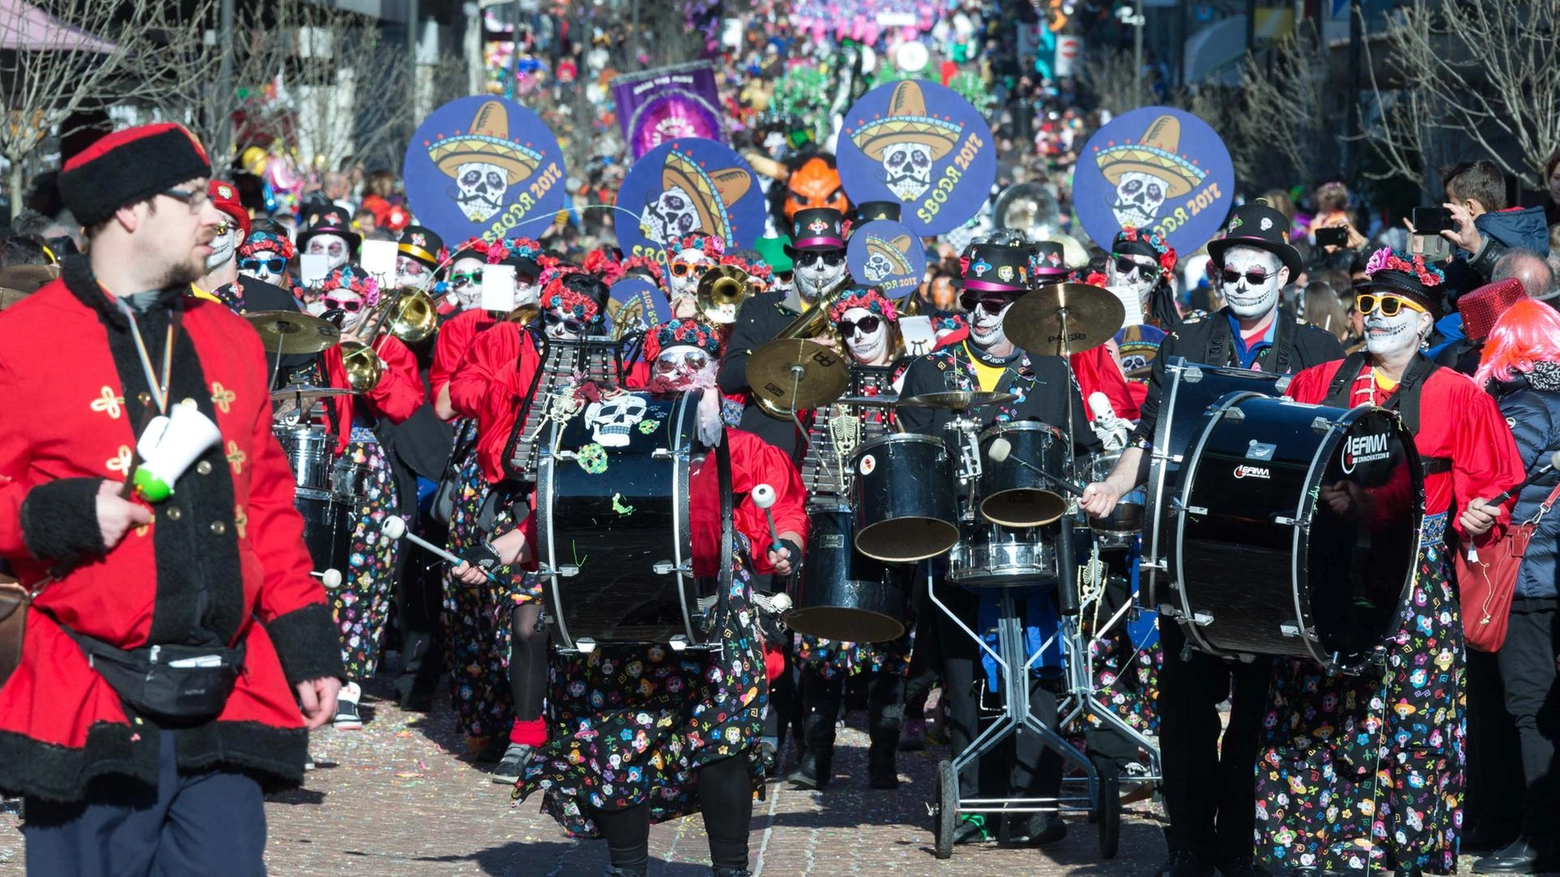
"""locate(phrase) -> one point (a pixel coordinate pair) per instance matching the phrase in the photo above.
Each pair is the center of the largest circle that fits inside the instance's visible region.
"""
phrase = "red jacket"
(753, 462)
(228, 540)
(491, 386)
(456, 335)
(396, 397)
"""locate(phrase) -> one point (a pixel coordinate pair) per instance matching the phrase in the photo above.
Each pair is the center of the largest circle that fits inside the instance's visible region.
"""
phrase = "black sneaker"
(1039, 829)
(1243, 866)
(512, 765)
(1186, 864)
(347, 716)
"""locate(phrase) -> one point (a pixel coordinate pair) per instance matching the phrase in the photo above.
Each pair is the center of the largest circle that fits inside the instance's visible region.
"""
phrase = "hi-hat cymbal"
(795, 374)
(958, 400)
(1093, 316)
(293, 332)
(307, 393)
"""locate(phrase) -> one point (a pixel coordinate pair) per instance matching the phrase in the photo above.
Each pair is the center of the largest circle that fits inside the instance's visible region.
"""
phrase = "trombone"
(409, 314)
(723, 286)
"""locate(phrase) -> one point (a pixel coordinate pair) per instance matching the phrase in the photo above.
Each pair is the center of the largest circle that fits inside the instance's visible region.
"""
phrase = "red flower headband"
(712, 246)
(871, 299)
(559, 297)
(262, 241)
(1388, 259)
(1159, 245)
(654, 268)
(606, 268)
(682, 333)
(492, 252)
(352, 280)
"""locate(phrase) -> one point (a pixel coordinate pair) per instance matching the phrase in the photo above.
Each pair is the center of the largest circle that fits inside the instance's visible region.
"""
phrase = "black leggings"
(726, 802)
(528, 661)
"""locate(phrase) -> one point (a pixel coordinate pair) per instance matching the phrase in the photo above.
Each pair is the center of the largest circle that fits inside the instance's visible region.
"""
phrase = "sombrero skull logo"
(887, 258)
(484, 162)
(1148, 172)
(692, 200)
(907, 141)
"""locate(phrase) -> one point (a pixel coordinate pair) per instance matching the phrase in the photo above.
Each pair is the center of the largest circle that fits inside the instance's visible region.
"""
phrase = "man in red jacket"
(206, 631)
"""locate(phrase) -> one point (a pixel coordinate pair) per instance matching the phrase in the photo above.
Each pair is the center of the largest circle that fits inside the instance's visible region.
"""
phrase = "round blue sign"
(641, 304)
(685, 186)
(923, 146)
(1154, 168)
(887, 254)
(484, 167)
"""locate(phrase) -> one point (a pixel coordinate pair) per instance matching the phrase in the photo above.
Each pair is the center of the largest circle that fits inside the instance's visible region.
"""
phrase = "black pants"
(725, 801)
(1209, 788)
(203, 823)
(1527, 666)
(1492, 796)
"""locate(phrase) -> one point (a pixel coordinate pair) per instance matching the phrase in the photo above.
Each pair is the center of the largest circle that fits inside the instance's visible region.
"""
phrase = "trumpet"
(810, 324)
(408, 313)
(720, 292)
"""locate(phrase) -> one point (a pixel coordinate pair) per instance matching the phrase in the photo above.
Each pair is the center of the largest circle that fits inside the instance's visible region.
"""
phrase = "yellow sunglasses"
(1391, 305)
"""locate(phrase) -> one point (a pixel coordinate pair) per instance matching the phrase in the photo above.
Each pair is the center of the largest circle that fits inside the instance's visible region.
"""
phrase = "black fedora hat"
(1259, 226)
(997, 268)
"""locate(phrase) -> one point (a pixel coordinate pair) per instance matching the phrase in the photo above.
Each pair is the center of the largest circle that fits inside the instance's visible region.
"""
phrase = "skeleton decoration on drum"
(922, 145)
(484, 167)
(1156, 169)
(689, 186)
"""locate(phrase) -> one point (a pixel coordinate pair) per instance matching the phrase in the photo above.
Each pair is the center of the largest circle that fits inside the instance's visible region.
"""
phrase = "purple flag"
(657, 106)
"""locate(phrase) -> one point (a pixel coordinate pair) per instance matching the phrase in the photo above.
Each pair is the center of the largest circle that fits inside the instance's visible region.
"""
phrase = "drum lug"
(1289, 630)
(566, 455)
(1283, 521)
(678, 643)
(664, 454)
(585, 646)
(666, 567)
(1194, 510)
(1202, 619)
(566, 571)
(1234, 414)
(1321, 425)
(1192, 375)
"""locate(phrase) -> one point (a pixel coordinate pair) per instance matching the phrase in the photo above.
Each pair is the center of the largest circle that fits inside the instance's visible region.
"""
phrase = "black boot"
(885, 718)
(821, 700)
(730, 872)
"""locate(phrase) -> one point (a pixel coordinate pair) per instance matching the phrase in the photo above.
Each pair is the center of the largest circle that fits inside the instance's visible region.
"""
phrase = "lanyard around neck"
(158, 390)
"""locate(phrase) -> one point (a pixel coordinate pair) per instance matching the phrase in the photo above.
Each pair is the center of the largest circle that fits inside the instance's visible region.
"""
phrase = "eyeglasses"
(269, 266)
(225, 226)
(468, 279)
(692, 360)
(349, 305)
(992, 306)
(867, 325)
(1127, 265)
(832, 258)
(1391, 305)
(684, 269)
(1255, 278)
(574, 327)
(194, 198)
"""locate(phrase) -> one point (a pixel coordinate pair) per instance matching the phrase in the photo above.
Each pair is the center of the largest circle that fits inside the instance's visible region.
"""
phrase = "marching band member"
(494, 385)
(419, 253)
(1207, 781)
(647, 734)
(362, 602)
(995, 276)
(1364, 773)
(868, 324)
(266, 255)
(1143, 262)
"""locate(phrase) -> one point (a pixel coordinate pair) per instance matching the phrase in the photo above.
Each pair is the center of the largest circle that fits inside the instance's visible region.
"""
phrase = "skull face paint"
(986, 329)
(410, 272)
(611, 419)
(687, 367)
(671, 215)
(867, 348)
(1388, 336)
(1139, 196)
(465, 281)
(480, 189)
(332, 246)
(686, 288)
(909, 168)
(1141, 281)
(562, 325)
(1247, 300)
(813, 276)
(222, 247)
(261, 263)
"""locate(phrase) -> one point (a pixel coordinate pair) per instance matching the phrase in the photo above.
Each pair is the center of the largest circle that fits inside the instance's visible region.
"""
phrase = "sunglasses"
(992, 306)
(462, 280)
(1391, 305)
(270, 266)
(685, 269)
(574, 327)
(225, 226)
(351, 306)
(867, 325)
(318, 247)
(1255, 278)
(692, 360)
(1126, 265)
(832, 258)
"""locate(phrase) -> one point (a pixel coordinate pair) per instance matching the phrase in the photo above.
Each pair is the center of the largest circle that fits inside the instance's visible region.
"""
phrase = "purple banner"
(661, 105)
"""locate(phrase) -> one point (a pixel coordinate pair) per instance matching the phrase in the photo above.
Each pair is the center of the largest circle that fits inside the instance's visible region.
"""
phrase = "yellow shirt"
(987, 375)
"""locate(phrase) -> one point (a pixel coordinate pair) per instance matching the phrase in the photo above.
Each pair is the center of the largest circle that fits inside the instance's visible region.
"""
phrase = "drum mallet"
(1001, 448)
(764, 498)
(395, 528)
(1550, 466)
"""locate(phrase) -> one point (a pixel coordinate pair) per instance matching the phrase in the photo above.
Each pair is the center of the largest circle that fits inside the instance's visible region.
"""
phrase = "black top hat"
(1408, 276)
(817, 228)
(334, 221)
(867, 211)
(422, 244)
(1050, 261)
(997, 268)
(1260, 226)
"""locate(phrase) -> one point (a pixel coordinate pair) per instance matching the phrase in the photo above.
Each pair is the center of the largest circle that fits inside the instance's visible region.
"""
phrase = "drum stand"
(1101, 799)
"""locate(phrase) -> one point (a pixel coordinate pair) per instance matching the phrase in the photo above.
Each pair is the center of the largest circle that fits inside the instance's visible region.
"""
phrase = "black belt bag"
(185, 684)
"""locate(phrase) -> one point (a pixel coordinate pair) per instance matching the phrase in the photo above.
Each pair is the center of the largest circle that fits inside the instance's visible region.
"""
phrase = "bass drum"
(1190, 393)
(615, 534)
(992, 556)
(1297, 531)
(842, 594)
(902, 496)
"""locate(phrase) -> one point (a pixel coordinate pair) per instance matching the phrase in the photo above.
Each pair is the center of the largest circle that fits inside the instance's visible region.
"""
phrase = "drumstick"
(1001, 448)
(1552, 465)
(764, 498)
(395, 528)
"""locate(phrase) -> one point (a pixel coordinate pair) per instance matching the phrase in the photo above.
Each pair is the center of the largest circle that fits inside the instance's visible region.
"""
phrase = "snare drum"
(1012, 494)
(348, 482)
(902, 498)
(842, 594)
(992, 556)
(308, 449)
(1265, 565)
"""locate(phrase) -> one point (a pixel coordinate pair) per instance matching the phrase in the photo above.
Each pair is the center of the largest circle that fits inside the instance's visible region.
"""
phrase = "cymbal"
(814, 374)
(958, 400)
(293, 332)
(887, 401)
(302, 393)
(1093, 316)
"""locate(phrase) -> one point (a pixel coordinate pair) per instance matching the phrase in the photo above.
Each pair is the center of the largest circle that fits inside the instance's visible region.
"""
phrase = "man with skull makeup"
(996, 275)
(330, 235)
(419, 253)
(1365, 773)
(1143, 262)
(1207, 785)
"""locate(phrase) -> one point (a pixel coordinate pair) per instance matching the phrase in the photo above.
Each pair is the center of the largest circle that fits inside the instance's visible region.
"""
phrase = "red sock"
(774, 663)
(532, 733)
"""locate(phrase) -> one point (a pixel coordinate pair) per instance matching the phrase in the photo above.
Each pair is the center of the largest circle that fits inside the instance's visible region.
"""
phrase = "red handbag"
(1487, 580)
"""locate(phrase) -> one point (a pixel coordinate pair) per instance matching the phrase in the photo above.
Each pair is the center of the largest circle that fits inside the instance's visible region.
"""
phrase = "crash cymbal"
(302, 393)
(1093, 316)
(293, 332)
(811, 373)
(888, 401)
(958, 400)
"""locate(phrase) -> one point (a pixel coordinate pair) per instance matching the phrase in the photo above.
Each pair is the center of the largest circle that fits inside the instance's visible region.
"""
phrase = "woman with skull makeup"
(362, 603)
(1366, 772)
(995, 276)
(1144, 262)
(1210, 821)
(494, 386)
